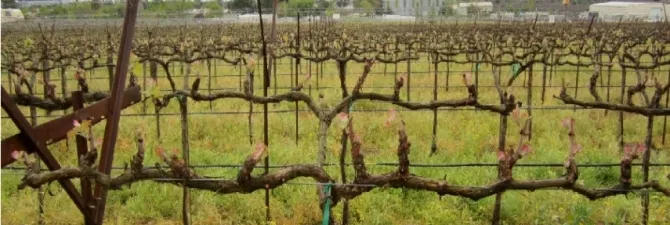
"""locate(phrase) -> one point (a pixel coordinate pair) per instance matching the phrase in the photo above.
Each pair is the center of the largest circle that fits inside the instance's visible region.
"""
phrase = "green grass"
(463, 136)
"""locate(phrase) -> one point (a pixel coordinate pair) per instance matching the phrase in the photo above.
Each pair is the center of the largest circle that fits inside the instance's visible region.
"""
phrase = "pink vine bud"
(502, 155)
(526, 149)
(259, 151)
(467, 79)
(16, 154)
(390, 117)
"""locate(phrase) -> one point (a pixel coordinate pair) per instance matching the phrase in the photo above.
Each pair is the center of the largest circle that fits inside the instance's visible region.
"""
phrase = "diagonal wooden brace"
(31, 140)
(56, 130)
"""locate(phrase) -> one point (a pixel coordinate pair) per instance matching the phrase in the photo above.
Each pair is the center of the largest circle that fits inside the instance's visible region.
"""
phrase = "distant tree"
(432, 12)
(330, 11)
(301, 5)
(342, 3)
(95, 5)
(367, 7)
(447, 11)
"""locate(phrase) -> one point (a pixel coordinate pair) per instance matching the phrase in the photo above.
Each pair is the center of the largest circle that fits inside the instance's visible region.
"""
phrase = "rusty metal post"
(116, 97)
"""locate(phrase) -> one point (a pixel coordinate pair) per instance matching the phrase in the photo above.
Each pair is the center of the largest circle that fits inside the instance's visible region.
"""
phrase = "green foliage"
(292, 7)
(330, 11)
(367, 7)
(432, 12)
(95, 5)
(301, 5)
(8, 4)
(213, 6)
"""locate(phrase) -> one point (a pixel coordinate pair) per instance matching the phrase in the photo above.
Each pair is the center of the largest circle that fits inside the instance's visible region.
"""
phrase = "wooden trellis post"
(82, 149)
(183, 109)
(433, 147)
(116, 97)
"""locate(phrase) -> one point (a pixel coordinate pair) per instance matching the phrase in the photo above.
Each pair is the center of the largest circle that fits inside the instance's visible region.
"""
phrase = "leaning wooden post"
(665, 118)
(82, 149)
(144, 84)
(110, 62)
(297, 72)
(33, 122)
(266, 85)
(409, 71)
(645, 168)
(209, 78)
(544, 80)
(116, 98)
(501, 147)
(153, 72)
(446, 77)
(609, 80)
(63, 83)
(11, 82)
(433, 146)
(577, 78)
(530, 100)
(623, 92)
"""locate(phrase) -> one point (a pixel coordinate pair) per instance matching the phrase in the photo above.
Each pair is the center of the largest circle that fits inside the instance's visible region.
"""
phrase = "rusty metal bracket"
(31, 140)
(56, 130)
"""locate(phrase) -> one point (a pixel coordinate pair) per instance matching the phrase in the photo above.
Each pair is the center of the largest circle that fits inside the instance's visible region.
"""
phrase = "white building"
(415, 7)
(612, 11)
(11, 15)
(480, 7)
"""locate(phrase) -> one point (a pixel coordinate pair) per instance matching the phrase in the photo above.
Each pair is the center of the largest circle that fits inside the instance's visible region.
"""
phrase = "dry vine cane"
(652, 107)
(177, 173)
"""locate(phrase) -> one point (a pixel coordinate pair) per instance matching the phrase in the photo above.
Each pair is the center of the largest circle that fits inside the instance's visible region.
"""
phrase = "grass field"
(463, 136)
